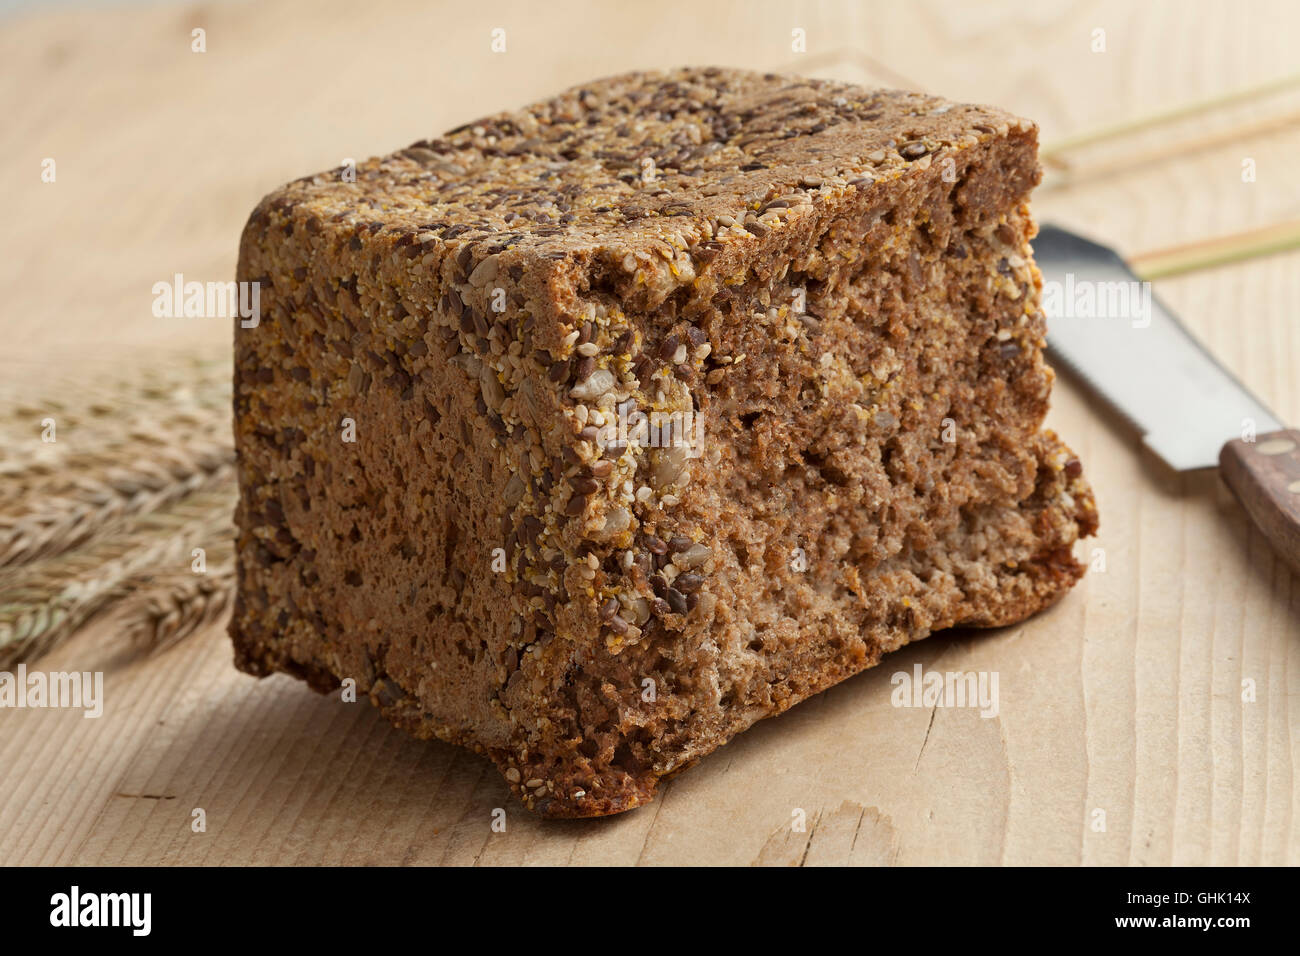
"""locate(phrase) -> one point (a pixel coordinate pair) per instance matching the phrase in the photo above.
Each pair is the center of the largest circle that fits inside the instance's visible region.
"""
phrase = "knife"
(1105, 326)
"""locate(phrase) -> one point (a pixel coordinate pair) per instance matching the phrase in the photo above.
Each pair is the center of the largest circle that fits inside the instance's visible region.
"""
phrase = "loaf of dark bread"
(586, 435)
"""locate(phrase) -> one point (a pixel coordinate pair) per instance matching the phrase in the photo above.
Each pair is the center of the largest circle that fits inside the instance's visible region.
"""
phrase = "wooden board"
(1126, 698)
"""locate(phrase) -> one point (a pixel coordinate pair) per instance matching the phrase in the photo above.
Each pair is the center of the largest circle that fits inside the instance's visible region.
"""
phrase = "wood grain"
(1163, 692)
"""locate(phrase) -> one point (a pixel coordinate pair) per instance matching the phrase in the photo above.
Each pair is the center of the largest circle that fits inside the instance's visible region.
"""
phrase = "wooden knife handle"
(1265, 476)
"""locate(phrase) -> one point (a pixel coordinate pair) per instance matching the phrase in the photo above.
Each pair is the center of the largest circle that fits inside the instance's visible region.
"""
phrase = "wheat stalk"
(107, 425)
(141, 473)
(95, 445)
(124, 448)
(45, 524)
(166, 608)
(41, 604)
(1051, 151)
(1217, 251)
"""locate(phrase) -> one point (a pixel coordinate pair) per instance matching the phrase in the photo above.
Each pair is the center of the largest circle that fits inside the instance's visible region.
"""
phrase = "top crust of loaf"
(648, 174)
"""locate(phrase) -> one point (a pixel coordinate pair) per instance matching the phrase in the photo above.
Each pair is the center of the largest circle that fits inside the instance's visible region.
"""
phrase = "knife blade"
(1107, 328)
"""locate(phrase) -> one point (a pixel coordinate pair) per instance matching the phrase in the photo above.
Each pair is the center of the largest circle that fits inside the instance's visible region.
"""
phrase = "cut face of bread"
(588, 434)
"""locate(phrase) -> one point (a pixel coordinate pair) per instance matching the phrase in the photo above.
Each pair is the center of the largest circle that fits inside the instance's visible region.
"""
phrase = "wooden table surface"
(1125, 699)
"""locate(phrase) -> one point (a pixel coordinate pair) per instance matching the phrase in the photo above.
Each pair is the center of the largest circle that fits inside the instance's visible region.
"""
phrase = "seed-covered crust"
(829, 289)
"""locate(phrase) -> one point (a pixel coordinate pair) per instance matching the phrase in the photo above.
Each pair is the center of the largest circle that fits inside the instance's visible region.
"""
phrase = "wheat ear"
(45, 525)
(164, 609)
(41, 604)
